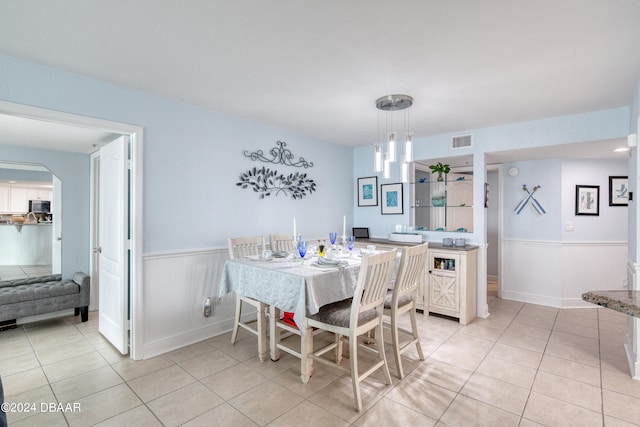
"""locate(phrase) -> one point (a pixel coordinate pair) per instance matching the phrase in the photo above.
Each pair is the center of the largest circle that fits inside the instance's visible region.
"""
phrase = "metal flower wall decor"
(267, 181)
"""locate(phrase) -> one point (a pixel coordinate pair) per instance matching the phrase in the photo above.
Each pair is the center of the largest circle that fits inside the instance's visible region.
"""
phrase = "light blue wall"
(24, 175)
(634, 184)
(594, 126)
(192, 160)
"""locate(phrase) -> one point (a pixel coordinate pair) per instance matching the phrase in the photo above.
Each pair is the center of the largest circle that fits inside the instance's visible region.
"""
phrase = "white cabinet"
(451, 282)
(5, 201)
(20, 200)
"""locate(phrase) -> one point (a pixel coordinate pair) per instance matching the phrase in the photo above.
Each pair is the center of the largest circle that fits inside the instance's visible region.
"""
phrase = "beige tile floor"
(525, 365)
(13, 272)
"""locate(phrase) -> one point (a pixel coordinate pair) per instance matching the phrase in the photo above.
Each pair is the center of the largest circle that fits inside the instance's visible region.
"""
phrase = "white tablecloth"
(289, 285)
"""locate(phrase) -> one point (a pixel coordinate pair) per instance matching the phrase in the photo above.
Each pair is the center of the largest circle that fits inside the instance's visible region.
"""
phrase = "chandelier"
(386, 152)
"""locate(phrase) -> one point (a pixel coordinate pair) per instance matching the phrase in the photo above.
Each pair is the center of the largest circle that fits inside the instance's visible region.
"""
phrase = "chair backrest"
(412, 264)
(373, 282)
(281, 242)
(242, 246)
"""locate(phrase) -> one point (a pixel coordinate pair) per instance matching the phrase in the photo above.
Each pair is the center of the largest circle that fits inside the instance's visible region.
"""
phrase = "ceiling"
(317, 67)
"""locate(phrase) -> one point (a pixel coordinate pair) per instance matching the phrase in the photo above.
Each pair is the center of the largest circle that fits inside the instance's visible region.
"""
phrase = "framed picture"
(391, 195)
(618, 191)
(368, 191)
(587, 200)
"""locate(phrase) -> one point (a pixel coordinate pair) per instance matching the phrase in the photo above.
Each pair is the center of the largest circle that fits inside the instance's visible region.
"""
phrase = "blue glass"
(332, 237)
(299, 238)
(350, 242)
(302, 248)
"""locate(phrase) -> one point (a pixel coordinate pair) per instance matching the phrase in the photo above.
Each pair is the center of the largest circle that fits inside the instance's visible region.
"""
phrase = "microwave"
(40, 206)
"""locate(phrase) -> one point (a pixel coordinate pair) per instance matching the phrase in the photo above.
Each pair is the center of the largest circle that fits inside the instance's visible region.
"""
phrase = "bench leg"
(84, 313)
(76, 311)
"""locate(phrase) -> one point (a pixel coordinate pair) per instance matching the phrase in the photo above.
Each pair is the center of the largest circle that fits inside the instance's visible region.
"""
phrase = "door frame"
(136, 137)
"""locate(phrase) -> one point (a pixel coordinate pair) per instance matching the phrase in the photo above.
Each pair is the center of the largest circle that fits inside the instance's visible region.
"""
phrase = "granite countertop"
(623, 301)
(432, 245)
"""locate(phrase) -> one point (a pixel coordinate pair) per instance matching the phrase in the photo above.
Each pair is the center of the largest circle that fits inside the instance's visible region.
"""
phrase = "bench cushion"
(35, 291)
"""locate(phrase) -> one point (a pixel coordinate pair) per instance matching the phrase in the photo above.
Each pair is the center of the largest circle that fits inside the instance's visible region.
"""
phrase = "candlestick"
(344, 227)
(294, 228)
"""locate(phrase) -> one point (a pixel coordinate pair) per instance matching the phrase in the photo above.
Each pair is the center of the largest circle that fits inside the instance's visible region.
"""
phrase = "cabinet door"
(443, 292)
(19, 200)
(5, 205)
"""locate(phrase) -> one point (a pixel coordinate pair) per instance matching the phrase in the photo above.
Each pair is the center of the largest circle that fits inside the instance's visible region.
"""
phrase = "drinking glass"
(350, 242)
(332, 237)
(302, 249)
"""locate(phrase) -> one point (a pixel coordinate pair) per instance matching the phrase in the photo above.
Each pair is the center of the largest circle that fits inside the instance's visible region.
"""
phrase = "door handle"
(59, 238)
(97, 250)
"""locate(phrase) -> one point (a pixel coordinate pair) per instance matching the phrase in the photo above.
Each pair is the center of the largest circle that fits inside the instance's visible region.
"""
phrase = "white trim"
(136, 134)
(567, 243)
(186, 252)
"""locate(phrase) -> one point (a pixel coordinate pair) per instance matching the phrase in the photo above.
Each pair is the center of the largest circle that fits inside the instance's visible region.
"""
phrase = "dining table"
(291, 284)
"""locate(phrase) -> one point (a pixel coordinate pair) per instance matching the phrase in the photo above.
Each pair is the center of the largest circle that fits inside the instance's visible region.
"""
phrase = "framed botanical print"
(391, 196)
(368, 191)
(587, 200)
(618, 191)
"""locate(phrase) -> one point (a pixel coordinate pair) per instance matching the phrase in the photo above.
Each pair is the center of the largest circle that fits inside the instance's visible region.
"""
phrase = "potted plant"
(440, 168)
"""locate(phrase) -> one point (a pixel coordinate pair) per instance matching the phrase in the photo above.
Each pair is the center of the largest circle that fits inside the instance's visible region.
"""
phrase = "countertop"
(623, 301)
(432, 245)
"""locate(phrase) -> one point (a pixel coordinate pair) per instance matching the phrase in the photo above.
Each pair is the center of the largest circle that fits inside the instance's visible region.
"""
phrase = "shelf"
(447, 182)
(447, 206)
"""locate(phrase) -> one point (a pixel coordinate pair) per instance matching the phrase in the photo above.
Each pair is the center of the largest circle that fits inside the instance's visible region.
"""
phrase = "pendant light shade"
(378, 160)
(408, 149)
(391, 147)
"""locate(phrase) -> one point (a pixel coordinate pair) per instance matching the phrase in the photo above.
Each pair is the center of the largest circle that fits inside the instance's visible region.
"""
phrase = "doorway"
(493, 226)
(135, 134)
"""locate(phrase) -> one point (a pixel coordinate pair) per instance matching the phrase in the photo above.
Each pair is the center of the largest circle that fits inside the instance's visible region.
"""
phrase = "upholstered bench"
(40, 295)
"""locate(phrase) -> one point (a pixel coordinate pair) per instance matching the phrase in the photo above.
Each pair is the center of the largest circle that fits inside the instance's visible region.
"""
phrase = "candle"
(344, 227)
(294, 228)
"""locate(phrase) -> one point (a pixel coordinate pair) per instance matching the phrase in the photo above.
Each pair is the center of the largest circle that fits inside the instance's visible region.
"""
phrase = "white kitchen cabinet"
(451, 282)
(20, 200)
(5, 201)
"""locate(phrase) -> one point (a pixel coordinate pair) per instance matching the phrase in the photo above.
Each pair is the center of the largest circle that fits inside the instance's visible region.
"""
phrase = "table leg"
(274, 333)
(262, 335)
(306, 347)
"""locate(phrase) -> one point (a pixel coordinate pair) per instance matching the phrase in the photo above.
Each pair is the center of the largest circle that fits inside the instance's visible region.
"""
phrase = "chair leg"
(414, 329)
(355, 375)
(236, 321)
(381, 353)
(395, 339)
(338, 339)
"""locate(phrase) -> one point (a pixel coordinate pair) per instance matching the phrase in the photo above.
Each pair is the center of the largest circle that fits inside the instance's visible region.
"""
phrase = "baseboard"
(193, 336)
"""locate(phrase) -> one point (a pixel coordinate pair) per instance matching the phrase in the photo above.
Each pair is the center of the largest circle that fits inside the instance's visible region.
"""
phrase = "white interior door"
(113, 243)
(56, 245)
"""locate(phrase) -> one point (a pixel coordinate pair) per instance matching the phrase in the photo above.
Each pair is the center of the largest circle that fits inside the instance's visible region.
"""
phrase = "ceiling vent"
(461, 141)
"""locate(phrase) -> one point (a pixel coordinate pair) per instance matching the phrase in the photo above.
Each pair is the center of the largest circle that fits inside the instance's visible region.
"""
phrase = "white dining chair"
(240, 247)
(401, 299)
(282, 242)
(355, 317)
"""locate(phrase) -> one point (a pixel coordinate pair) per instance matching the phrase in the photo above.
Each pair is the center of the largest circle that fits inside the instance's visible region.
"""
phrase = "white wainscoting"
(556, 273)
(175, 287)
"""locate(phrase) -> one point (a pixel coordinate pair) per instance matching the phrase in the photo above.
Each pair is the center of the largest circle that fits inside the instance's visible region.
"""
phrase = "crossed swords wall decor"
(529, 200)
